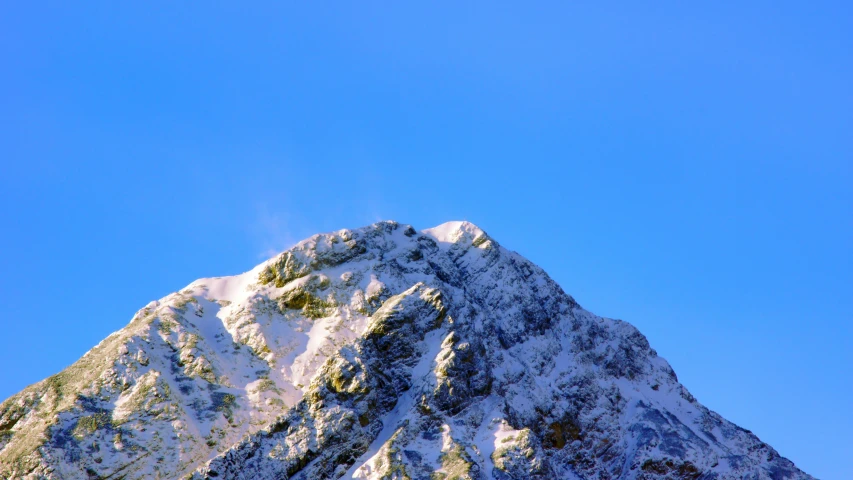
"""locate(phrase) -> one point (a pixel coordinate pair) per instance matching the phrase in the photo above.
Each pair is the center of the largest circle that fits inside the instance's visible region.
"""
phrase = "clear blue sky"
(688, 169)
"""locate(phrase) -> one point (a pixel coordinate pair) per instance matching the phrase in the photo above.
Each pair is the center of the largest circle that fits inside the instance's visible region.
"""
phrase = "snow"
(231, 288)
(453, 232)
(315, 352)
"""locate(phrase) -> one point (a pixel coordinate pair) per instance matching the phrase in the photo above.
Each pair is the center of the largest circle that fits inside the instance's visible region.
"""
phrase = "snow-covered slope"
(381, 352)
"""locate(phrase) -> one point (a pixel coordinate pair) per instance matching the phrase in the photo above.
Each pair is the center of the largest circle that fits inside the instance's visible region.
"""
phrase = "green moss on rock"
(456, 463)
(672, 468)
(90, 424)
(311, 305)
(286, 268)
(561, 432)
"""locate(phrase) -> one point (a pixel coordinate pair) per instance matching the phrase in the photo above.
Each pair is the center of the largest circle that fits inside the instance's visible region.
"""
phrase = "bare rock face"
(382, 352)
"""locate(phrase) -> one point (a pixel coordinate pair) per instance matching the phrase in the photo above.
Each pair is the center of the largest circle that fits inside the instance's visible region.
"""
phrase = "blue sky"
(685, 168)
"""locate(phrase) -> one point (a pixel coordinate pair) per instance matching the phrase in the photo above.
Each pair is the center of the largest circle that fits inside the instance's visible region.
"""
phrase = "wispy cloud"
(273, 227)
(274, 231)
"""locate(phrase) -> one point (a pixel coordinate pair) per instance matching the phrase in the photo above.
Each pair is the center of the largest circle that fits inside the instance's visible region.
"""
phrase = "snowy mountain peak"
(456, 232)
(378, 352)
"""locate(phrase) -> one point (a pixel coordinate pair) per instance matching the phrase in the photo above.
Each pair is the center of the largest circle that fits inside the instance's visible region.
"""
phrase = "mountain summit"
(381, 352)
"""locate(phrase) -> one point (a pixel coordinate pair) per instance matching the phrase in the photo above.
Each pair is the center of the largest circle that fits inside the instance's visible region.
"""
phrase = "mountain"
(380, 352)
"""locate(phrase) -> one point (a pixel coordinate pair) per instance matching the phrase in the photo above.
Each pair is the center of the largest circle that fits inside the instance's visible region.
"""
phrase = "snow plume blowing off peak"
(373, 353)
